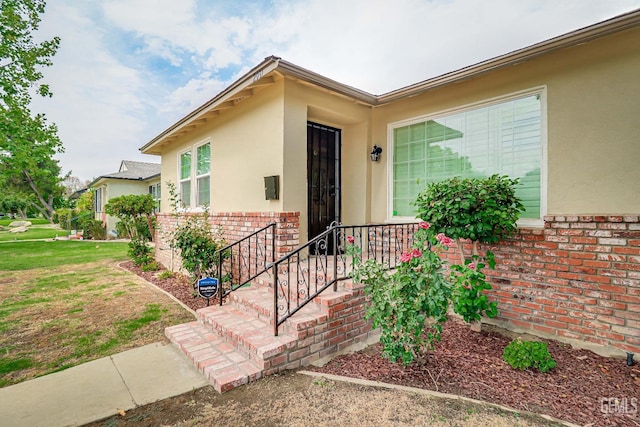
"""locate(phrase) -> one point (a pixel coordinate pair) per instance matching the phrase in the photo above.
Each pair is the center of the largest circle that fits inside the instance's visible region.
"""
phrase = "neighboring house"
(561, 115)
(131, 178)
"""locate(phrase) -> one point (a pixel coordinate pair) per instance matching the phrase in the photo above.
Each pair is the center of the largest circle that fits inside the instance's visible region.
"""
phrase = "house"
(132, 178)
(561, 115)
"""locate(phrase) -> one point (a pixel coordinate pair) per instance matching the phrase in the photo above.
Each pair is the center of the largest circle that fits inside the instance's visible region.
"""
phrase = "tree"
(27, 141)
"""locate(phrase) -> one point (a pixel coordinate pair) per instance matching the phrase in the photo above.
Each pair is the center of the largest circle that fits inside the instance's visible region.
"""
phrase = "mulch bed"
(177, 285)
(581, 389)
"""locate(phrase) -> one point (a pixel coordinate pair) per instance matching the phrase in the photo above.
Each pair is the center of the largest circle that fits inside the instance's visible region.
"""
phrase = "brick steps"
(235, 343)
(224, 367)
(246, 332)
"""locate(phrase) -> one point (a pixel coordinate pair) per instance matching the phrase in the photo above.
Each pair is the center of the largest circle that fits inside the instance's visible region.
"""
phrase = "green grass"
(34, 232)
(34, 221)
(46, 254)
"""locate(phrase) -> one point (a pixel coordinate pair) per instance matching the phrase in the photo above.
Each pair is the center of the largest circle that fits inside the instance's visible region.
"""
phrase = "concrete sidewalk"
(99, 389)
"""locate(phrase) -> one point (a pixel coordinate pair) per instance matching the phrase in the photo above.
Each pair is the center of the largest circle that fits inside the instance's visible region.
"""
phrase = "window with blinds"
(501, 138)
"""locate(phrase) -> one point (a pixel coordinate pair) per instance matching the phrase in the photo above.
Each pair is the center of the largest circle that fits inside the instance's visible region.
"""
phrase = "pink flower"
(351, 239)
(466, 286)
(472, 266)
(405, 257)
(424, 225)
(416, 253)
(444, 240)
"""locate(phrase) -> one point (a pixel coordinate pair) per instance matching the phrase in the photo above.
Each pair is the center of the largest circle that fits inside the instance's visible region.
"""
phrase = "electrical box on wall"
(271, 187)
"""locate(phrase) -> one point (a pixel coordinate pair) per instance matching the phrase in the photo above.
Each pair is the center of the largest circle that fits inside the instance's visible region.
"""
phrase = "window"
(195, 167)
(203, 174)
(154, 190)
(185, 179)
(98, 200)
(500, 138)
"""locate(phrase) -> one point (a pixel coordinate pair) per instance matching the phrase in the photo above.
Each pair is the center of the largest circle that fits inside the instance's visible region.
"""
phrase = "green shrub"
(63, 217)
(410, 305)
(132, 211)
(479, 209)
(94, 229)
(165, 274)
(140, 252)
(528, 354)
(141, 228)
(150, 266)
(199, 244)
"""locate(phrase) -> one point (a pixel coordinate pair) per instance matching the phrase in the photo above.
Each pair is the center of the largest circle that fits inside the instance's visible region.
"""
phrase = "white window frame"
(539, 90)
(156, 193)
(193, 179)
(185, 203)
(98, 204)
(195, 188)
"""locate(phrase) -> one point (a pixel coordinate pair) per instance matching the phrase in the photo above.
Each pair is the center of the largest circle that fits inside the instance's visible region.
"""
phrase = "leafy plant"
(151, 266)
(479, 209)
(94, 229)
(197, 240)
(165, 274)
(410, 305)
(130, 210)
(528, 354)
(140, 252)
(469, 282)
(199, 244)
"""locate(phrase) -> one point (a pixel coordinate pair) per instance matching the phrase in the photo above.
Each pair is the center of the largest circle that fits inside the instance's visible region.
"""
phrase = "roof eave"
(583, 35)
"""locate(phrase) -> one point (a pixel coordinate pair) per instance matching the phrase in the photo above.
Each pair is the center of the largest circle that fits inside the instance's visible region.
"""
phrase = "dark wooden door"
(323, 177)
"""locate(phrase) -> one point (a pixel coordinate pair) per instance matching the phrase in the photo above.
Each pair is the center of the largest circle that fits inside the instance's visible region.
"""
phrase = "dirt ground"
(296, 399)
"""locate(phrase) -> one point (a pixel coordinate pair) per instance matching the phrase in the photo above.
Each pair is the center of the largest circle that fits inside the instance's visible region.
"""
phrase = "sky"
(128, 69)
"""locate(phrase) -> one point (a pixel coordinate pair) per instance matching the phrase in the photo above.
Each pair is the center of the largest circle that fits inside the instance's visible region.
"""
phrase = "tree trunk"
(45, 206)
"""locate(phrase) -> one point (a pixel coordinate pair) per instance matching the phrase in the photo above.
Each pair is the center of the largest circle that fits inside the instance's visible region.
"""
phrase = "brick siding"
(576, 280)
(235, 226)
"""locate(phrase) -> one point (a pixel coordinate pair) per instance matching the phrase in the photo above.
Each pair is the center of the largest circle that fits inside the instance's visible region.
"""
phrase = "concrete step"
(224, 367)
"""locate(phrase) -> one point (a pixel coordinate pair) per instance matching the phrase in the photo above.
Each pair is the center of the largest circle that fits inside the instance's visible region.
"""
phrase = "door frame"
(326, 189)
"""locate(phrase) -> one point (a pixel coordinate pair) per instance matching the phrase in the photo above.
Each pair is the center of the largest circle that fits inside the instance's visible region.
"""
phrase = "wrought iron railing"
(323, 261)
(242, 261)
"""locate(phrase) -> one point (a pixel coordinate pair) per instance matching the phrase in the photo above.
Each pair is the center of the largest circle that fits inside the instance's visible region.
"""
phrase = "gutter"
(584, 35)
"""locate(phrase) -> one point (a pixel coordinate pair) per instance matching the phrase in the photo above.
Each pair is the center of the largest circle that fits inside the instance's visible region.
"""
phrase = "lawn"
(35, 221)
(64, 303)
(50, 254)
(34, 232)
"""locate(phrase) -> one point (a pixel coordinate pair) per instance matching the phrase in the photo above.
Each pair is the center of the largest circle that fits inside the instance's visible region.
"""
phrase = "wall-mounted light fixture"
(375, 153)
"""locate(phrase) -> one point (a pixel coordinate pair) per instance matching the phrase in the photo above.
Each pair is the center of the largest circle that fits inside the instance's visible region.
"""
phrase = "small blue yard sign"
(208, 287)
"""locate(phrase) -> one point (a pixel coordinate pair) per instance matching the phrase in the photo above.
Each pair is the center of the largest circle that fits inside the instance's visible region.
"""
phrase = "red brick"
(626, 250)
(556, 324)
(582, 330)
(610, 335)
(546, 330)
(568, 319)
(612, 288)
(597, 264)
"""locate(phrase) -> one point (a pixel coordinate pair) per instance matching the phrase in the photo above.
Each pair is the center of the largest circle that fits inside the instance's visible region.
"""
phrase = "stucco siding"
(246, 146)
(302, 104)
(592, 102)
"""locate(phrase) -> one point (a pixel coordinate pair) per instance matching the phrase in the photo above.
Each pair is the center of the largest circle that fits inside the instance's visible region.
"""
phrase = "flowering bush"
(402, 303)
(410, 305)
(469, 281)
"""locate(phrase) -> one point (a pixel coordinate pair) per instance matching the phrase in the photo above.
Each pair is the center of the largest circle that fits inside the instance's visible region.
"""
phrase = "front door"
(323, 177)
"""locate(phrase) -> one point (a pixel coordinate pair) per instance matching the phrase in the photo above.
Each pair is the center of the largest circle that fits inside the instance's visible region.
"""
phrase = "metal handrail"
(239, 255)
(307, 267)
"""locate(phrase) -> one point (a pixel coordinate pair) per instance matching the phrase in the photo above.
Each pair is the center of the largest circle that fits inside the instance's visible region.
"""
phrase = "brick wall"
(235, 226)
(576, 280)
